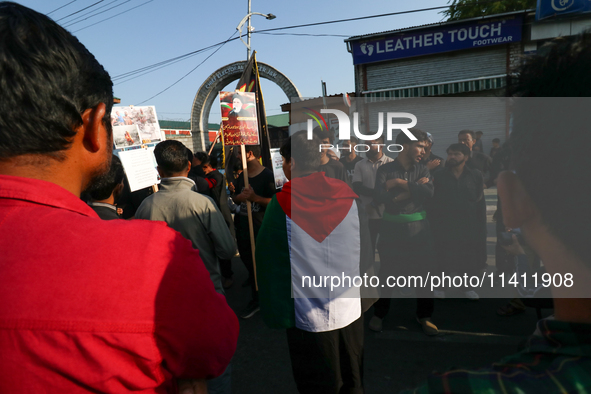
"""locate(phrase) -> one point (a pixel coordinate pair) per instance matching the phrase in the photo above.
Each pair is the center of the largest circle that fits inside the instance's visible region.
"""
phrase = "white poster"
(139, 165)
(277, 159)
(134, 126)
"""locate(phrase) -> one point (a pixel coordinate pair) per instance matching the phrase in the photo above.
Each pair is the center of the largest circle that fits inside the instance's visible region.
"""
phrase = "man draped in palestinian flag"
(313, 230)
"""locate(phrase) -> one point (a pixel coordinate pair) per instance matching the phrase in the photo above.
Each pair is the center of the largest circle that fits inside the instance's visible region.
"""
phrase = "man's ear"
(160, 172)
(516, 204)
(189, 167)
(292, 164)
(94, 128)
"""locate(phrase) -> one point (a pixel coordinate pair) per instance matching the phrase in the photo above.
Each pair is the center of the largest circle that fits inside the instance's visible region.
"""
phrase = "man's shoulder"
(335, 163)
(389, 166)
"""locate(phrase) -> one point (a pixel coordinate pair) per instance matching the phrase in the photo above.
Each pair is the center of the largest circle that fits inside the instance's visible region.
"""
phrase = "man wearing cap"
(431, 161)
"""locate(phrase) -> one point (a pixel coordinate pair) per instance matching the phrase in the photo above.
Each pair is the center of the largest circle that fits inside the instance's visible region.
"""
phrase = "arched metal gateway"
(207, 94)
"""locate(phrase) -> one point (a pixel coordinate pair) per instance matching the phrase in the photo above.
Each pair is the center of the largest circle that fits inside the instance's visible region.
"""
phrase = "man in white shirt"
(364, 179)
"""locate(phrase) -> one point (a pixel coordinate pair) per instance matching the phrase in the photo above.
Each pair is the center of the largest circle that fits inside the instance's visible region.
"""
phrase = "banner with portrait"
(239, 118)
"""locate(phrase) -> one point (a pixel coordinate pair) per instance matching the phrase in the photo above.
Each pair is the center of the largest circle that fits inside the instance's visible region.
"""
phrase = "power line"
(162, 64)
(79, 17)
(354, 19)
(141, 74)
(303, 34)
(156, 66)
(119, 14)
(59, 8)
(85, 8)
(187, 74)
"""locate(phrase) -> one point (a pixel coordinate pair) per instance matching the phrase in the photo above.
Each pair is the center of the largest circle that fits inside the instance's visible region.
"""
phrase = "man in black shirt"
(405, 243)
(259, 192)
(105, 190)
(430, 160)
(331, 168)
(477, 160)
(348, 160)
(457, 214)
(197, 174)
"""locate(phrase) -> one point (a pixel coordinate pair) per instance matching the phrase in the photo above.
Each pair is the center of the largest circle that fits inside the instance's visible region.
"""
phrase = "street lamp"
(249, 28)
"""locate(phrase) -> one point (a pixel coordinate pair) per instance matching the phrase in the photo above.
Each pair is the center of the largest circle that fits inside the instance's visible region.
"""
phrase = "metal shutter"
(473, 63)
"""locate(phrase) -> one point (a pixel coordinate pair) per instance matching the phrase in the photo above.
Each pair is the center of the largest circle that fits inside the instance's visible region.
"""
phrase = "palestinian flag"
(311, 230)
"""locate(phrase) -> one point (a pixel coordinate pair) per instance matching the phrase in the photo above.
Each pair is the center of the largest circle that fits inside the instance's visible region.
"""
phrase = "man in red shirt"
(86, 305)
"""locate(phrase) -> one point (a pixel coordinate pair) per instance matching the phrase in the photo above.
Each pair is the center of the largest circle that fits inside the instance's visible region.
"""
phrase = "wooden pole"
(214, 141)
(249, 210)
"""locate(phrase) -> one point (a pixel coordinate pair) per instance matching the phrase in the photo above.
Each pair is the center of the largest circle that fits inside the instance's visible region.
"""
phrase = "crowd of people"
(94, 303)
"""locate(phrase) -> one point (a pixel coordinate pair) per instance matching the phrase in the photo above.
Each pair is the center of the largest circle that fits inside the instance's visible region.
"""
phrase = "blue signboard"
(438, 39)
(552, 8)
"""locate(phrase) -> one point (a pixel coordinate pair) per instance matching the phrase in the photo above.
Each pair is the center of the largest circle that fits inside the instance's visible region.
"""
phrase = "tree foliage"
(464, 9)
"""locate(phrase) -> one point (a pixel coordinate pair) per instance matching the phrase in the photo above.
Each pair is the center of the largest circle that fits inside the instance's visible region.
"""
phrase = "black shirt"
(218, 190)
(434, 157)
(334, 169)
(198, 176)
(264, 186)
(457, 213)
(419, 194)
(105, 211)
(480, 162)
(350, 166)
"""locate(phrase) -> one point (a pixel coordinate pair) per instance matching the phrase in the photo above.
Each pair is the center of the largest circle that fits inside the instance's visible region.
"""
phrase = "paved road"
(401, 356)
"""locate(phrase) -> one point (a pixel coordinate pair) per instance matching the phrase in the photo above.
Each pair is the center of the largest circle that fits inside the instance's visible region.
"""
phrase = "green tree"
(463, 9)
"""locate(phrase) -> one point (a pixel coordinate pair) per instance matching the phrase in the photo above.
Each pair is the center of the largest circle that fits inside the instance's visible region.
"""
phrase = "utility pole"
(248, 33)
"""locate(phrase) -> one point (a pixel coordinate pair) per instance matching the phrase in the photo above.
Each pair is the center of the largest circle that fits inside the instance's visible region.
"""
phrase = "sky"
(124, 38)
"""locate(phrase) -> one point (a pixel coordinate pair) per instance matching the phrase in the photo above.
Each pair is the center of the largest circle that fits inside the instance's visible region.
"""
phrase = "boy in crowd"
(103, 193)
(259, 192)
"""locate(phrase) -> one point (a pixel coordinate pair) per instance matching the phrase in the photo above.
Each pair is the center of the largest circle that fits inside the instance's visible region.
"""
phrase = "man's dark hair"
(497, 140)
(255, 149)
(322, 134)
(542, 130)
(239, 97)
(479, 133)
(213, 161)
(463, 149)
(462, 132)
(305, 152)
(202, 157)
(47, 79)
(420, 135)
(171, 157)
(104, 185)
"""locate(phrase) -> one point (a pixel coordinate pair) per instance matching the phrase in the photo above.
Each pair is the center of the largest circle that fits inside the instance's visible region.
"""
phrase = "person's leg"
(226, 268)
(374, 228)
(315, 361)
(351, 357)
(245, 251)
(246, 255)
(222, 384)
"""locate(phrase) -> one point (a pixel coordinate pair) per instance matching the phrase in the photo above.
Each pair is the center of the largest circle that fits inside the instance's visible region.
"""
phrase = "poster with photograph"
(140, 168)
(239, 118)
(126, 136)
(277, 159)
(143, 118)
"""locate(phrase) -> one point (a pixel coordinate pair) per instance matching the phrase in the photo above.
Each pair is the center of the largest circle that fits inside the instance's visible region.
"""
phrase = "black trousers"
(374, 229)
(245, 250)
(226, 268)
(328, 362)
(405, 249)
